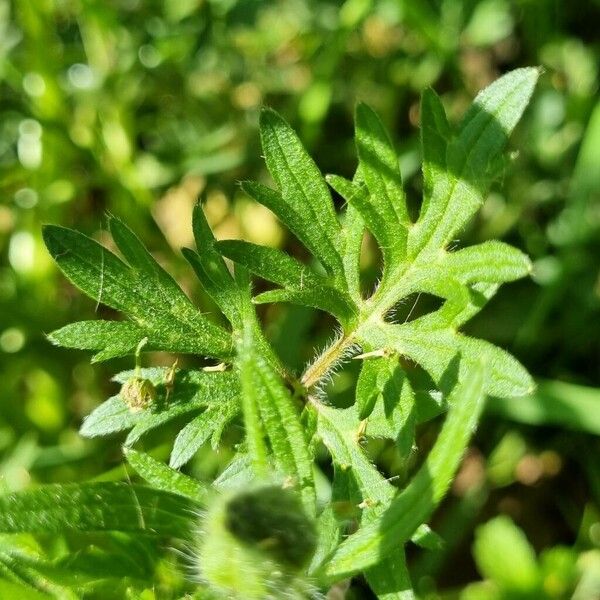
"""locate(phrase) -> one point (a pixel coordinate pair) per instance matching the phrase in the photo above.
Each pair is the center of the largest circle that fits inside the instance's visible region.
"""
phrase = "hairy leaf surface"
(168, 319)
(94, 507)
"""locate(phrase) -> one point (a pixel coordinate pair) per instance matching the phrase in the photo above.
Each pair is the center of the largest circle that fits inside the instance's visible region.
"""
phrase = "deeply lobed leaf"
(417, 260)
(463, 174)
(189, 392)
(303, 191)
(159, 308)
(412, 506)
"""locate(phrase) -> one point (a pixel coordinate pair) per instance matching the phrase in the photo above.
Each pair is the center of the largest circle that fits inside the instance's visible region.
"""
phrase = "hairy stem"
(321, 366)
(335, 352)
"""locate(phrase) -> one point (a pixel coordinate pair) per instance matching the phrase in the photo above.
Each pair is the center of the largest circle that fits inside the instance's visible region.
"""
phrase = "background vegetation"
(136, 107)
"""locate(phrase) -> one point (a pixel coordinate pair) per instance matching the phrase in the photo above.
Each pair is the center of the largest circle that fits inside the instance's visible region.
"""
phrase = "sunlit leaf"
(168, 319)
(412, 506)
(93, 507)
(162, 477)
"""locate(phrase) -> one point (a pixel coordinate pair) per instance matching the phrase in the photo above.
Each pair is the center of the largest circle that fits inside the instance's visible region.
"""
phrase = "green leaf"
(301, 284)
(92, 507)
(237, 475)
(368, 387)
(458, 193)
(462, 304)
(250, 401)
(111, 416)
(324, 298)
(213, 272)
(435, 135)
(270, 264)
(434, 280)
(413, 505)
(162, 477)
(283, 415)
(328, 536)
(168, 319)
(142, 262)
(304, 193)
(354, 229)
(436, 349)
(491, 118)
(378, 165)
(504, 555)
(352, 232)
(380, 378)
(390, 579)
(505, 375)
(112, 338)
(490, 262)
(266, 395)
(426, 538)
(340, 432)
(394, 413)
(212, 421)
(191, 390)
(373, 217)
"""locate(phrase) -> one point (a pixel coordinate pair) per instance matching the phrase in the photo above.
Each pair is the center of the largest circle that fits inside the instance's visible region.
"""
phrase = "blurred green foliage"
(134, 107)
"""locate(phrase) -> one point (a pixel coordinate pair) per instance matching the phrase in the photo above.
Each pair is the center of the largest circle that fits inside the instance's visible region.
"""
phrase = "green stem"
(317, 370)
(382, 300)
(138, 357)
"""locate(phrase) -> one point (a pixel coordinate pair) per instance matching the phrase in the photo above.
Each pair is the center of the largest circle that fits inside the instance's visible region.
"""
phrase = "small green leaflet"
(340, 432)
(353, 232)
(213, 273)
(301, 284)
(111, 338)
(162, 477)
(112, 416)
(385, 398)
(237, 475)
(385, 209)
(304, 193)
(463, 168)
(188, 393)
(435, 136)
(209, 424)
